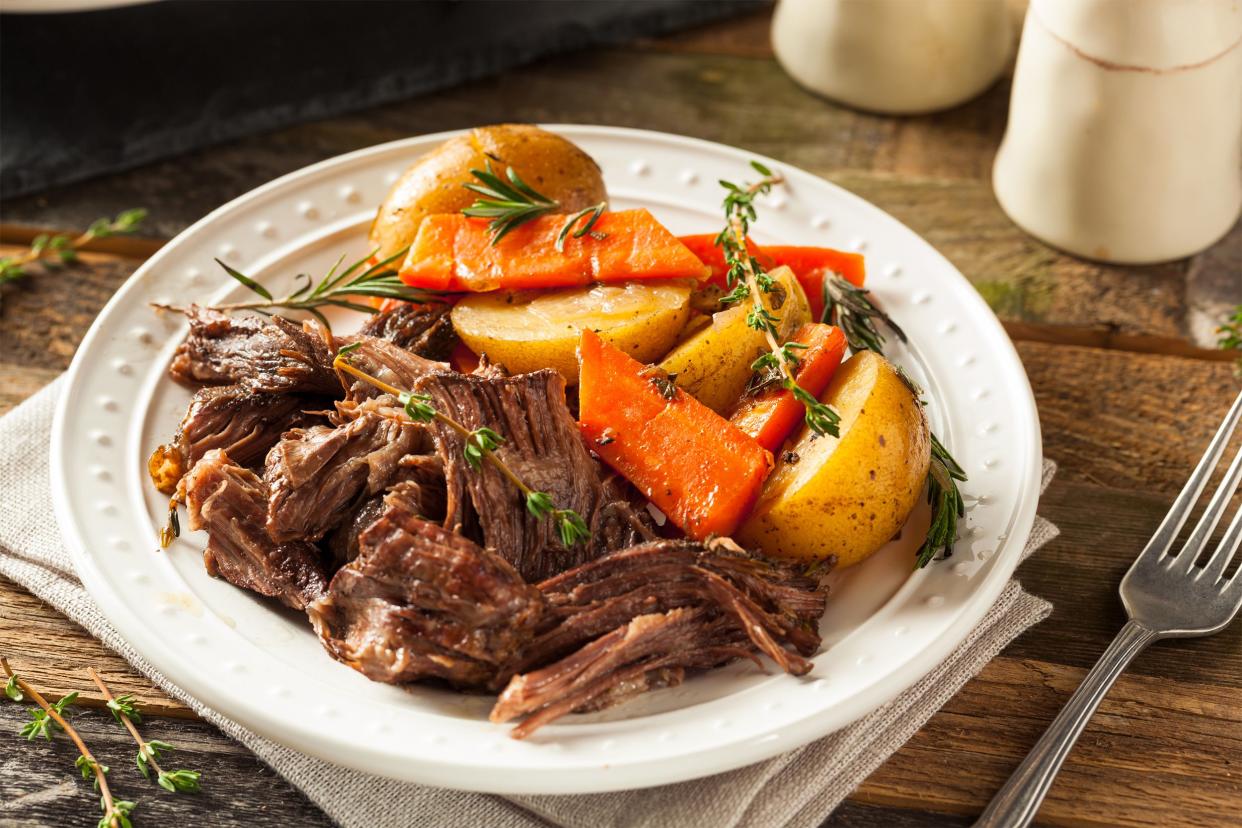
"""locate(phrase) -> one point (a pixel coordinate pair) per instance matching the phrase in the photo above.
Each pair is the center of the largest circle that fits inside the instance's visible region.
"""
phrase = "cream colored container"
(894, 56)
(1124, 140)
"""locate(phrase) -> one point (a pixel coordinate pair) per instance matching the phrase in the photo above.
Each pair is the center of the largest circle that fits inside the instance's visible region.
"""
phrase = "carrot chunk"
(698, 468)
(809, 264)
(454, 252)
(773, 414)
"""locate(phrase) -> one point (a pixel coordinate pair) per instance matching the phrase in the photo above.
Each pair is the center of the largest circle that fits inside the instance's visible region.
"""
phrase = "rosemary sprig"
(116, 812)
(337, 289)
(748, 279)
(480, 446)
(126, 713)
(946, 504)
(62, 249)
(850, 308)
(510, 202)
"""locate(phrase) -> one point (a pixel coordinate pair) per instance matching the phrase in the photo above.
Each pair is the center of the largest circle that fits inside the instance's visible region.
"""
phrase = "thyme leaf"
(62, 249)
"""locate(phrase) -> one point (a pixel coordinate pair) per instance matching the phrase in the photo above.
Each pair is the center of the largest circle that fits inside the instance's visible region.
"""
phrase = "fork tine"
(1216, 565)
(1173, 522)
(1211, 515)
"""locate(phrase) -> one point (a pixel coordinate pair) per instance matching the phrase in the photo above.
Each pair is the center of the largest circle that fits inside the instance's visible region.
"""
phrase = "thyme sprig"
(481, 445)
(510, 202)
(126, 713)
(748, 279)
(116, 812)
(362, 279)
(59, 248)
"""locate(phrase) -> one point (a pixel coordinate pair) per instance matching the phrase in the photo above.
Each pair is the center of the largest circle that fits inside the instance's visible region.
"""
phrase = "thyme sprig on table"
(60, 248)
(748, 279)
(126, 713)
(47, 718)
(510, 202)
(363, 279)
(481, 445)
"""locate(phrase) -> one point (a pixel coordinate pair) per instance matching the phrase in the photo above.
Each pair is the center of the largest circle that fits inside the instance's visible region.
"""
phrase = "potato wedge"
(714, 364)
(529, 330)
(551, 164)
(847, 496)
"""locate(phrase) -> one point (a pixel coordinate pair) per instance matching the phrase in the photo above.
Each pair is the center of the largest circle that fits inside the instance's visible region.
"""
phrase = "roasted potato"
(529, 330)
(550, 164)
(713, 365)
(847, 496)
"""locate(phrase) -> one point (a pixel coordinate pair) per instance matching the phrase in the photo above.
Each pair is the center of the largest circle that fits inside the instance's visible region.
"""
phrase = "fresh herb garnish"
(62, 249)
(337, 289)
(850, 308)
(126, 713)
(481, 445)
(510, 202)
(116, 812)
(748, 279)
(946, 504)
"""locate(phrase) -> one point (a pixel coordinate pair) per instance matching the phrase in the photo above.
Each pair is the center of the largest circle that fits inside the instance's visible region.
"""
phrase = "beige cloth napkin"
(798, 789)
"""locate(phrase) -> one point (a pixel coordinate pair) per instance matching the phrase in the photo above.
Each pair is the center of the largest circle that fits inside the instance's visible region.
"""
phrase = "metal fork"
(1166, 596)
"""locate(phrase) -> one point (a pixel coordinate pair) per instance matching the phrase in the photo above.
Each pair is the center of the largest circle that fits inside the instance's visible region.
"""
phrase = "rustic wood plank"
(1125, 420)
(53, 653)
(40, 787)
(1157, 753)
(1102, 531)
(44, 316)
(745, 36)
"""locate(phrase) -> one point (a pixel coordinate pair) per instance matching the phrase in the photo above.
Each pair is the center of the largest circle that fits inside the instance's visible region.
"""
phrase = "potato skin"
(551, 164)
(847, 496)
(713, 365)
(529, 330)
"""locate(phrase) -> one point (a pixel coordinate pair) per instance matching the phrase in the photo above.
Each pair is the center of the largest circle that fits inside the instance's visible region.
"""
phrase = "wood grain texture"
(40, 787)
(1127, 389)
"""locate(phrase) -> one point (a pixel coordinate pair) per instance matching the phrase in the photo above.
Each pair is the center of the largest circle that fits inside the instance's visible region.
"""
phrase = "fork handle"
(1016, 804)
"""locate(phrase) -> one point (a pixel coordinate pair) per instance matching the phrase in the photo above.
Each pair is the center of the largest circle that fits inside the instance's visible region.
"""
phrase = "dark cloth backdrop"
(92, 92)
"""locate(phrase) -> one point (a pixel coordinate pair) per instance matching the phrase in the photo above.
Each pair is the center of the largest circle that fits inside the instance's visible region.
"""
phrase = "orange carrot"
(453, 252)
(809, 264)
(772, 415)
(463, 360)
(694, 465)
(812, 264)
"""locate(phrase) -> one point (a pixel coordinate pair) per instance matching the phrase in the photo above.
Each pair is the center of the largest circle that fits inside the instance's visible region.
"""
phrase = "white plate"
(258, 664)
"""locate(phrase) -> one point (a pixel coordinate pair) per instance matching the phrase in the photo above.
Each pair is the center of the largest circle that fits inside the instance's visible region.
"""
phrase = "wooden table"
(1128, 386)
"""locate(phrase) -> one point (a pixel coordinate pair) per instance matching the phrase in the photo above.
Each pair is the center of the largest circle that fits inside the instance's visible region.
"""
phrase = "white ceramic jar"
(1124, 140)
(893, 56)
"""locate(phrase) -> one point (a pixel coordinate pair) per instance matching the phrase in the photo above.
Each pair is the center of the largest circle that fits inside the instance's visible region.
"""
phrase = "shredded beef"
(635, 618)
(425, 330)
(314, 474)
(421, 602)
(242, 422)
(386, 362)
(229, 502)
(542, 447)
(263, 353)
(419, 485)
